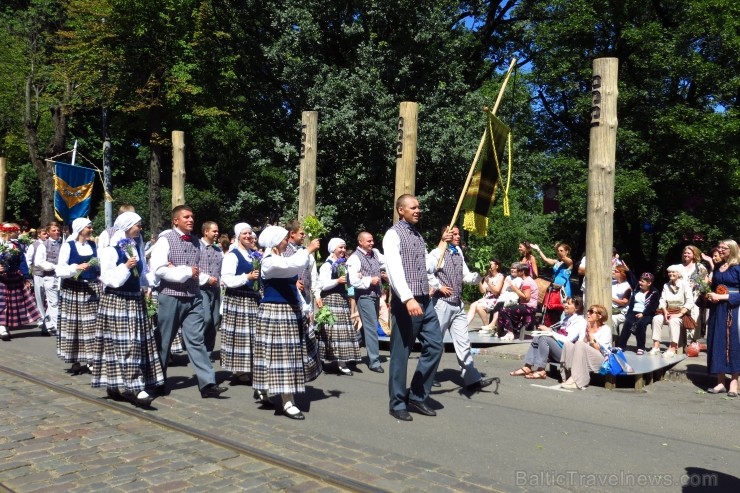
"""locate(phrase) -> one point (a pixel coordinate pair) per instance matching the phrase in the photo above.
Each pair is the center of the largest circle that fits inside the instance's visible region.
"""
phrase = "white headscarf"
(271, 236)
(334, 243)
(78, 225)
(241, 227)
(123, 223)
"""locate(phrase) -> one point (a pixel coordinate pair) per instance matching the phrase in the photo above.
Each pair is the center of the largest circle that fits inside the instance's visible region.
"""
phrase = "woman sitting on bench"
(584, 356)
(550, 347)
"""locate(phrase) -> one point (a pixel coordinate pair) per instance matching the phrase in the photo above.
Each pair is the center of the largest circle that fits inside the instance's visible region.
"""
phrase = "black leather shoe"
(377, 369)
(294, 415)
(5, 336)
(401, 415)
(212, 391)
(343, 370)
(45, 332)
(435, 383)
(479, 385)
(241, 380)
(421, 408)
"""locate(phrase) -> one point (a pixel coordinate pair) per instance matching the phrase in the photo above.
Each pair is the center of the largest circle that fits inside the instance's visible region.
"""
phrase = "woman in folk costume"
(126, 359)
(79, 295)
(17, 302)
(338, 342)
(240, 275)
(283, 359)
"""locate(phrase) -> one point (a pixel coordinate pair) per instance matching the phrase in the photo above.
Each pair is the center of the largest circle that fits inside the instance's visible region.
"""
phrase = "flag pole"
(74, 153)
(443, 244)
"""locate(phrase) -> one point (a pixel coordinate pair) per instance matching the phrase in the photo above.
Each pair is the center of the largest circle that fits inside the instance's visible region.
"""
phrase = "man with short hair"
(38, 281)
(364, 269)
(448, 304)
(413, 313)
(175, 260)
(211, 258)
(308, 279)
(45, 259)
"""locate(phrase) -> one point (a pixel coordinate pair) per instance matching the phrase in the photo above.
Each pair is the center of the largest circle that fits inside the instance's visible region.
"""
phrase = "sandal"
(523, 371)
(537, 375)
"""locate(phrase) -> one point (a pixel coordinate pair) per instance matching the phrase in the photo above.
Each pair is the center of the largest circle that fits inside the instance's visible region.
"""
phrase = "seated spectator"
(675, 301)
(621, 292)
(584, 356)
(640, 311)
(518, 317)
(507, 297)
(490, 287)
(550, 347)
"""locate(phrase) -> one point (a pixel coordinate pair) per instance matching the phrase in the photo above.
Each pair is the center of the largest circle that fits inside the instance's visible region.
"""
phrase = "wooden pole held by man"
(601, 166)
(406, 152)
(307, 187)
(178, 168)
(3, 187)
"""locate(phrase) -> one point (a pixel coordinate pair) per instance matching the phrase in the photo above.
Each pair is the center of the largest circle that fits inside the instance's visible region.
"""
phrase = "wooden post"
(601, 163)
(406, 152)
(3, 187)
(307, 186)
(178, 168)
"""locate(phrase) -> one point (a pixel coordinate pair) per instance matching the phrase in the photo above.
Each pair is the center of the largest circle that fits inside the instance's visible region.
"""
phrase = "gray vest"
(305, 276)
(210, 260)
(181, 253)
(413, 257)
(52, 255)
(451, 276)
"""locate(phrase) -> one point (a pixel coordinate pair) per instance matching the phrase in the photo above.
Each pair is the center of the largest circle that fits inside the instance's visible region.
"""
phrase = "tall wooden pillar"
(307, 186)
(178, 168)
(3, 187)
(406, 152)
(601, 166)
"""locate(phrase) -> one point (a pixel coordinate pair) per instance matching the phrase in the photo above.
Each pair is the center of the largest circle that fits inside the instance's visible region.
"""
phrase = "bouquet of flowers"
(128, 246)
(703, 286)
(339, 268)
(324, 317)
(314, 229)
(256, 263)
(94, 261)
(9, 257)
(25, 240)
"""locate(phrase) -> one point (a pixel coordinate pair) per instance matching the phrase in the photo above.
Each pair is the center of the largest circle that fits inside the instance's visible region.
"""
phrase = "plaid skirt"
(125, 352)
(78, 309)
(17, 302)
(338, 342)
(178, 343)
(237, 330)
(285, 352)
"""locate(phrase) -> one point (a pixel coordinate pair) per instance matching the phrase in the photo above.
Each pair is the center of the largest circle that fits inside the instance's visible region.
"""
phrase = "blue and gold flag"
(73, 186)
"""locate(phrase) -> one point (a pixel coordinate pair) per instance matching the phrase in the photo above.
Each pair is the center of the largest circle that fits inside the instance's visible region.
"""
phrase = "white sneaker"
(669, 354)
(4, 333)
(508, 337)
(654, 352)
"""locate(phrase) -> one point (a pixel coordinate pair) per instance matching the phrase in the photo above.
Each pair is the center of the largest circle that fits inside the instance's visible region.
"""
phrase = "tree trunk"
(44, 169)
(155, 170)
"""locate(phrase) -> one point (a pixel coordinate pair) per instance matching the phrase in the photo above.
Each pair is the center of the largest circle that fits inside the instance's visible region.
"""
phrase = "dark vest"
(413, 257)
(132, 284)
(243, 266)
(339, 289)
(210, 260)
(181, 253)
(91, 273)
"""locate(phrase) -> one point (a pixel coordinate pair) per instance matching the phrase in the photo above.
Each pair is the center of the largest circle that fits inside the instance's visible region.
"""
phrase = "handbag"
(554, 298)
(615, 363)
(688, 321)
(693, 350)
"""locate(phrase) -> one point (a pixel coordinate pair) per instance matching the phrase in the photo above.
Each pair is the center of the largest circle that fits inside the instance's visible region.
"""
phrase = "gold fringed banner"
(487, 175)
